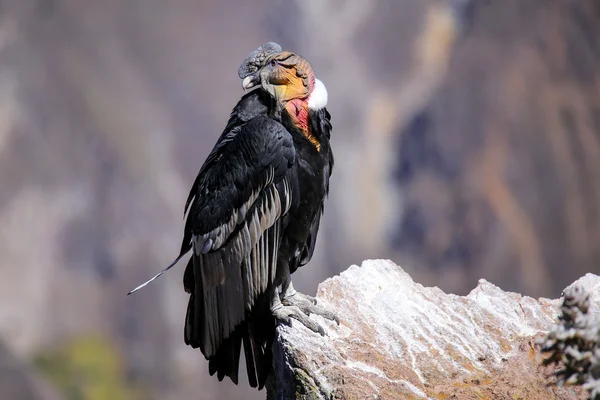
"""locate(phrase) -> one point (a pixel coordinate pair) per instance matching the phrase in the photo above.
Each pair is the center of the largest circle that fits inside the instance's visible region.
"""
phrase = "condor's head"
(288, 77)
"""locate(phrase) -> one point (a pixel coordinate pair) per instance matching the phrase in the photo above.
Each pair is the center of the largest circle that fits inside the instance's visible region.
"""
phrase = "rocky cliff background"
(467, 142)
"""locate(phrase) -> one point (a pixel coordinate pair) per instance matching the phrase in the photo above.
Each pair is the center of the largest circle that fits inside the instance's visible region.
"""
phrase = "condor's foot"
(308, 305)
(286, 313)
(299, 306)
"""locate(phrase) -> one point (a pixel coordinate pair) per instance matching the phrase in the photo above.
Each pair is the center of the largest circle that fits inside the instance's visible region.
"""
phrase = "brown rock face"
(398, 339)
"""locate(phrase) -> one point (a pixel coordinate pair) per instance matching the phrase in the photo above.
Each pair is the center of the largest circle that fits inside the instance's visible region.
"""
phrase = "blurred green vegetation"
(87, 368)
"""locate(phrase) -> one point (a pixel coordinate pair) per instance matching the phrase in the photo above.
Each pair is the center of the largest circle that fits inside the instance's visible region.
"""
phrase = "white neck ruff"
(318, 98)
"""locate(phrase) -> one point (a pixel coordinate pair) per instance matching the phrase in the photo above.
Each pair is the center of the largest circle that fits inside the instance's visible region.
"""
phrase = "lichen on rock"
(574, 343)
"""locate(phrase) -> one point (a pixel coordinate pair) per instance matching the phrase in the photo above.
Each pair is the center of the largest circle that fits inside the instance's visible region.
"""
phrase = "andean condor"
(254, 212)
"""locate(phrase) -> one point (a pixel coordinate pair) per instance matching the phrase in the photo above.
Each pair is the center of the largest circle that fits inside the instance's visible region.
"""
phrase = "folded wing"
(236, 217)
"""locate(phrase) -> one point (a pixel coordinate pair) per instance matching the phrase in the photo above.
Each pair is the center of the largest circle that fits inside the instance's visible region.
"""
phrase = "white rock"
(398, 339)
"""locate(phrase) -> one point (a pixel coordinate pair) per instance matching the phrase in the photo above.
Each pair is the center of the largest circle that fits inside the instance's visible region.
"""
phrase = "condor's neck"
(299, 114)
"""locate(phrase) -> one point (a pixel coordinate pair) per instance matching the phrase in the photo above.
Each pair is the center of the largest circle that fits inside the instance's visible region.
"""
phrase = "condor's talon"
(286, 313)
(307, 304)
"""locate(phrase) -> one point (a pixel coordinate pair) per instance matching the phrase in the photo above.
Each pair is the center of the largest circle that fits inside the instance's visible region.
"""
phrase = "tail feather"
(250, 362)
(258, 360)
(258, 341)
(227, 359)
(256, 333)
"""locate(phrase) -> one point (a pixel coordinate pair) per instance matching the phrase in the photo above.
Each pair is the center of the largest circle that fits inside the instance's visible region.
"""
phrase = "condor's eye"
(273, 63)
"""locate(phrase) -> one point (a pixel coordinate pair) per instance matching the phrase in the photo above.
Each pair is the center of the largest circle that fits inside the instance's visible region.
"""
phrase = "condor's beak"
(250, 81)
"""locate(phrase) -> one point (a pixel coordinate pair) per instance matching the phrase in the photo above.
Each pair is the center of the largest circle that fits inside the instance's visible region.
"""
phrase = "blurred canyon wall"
(466, 136)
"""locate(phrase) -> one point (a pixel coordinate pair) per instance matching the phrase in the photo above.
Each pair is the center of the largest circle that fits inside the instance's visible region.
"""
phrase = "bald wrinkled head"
(257, 59)
(285, 75)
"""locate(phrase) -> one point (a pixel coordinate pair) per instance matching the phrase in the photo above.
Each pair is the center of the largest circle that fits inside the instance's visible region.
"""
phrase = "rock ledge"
(398, 339)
